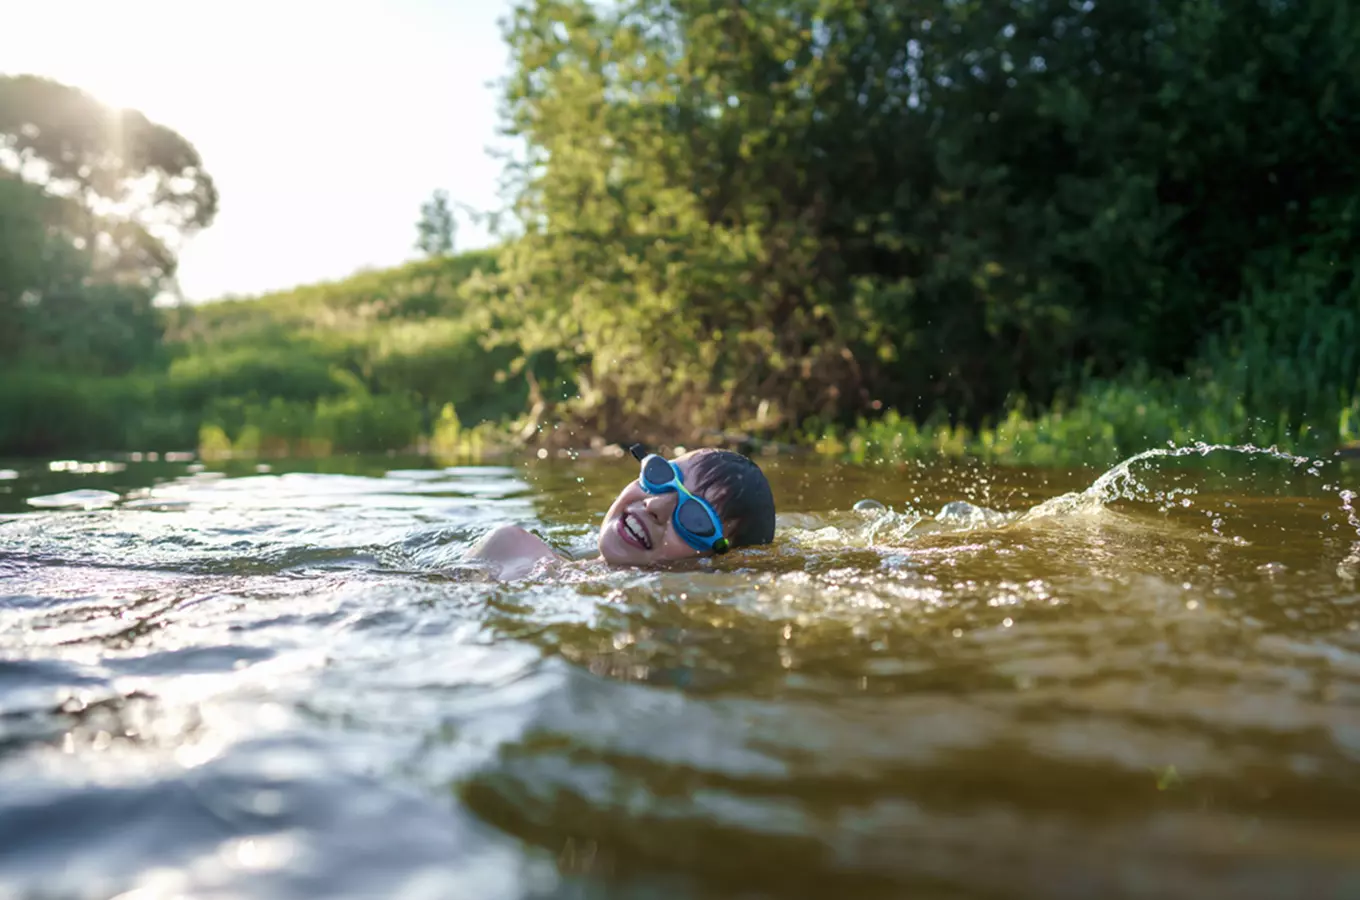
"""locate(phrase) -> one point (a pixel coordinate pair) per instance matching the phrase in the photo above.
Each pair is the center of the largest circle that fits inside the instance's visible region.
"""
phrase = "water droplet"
(1007, 622)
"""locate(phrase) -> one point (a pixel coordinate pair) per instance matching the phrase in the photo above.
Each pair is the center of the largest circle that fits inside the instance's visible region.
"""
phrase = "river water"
(224, 682)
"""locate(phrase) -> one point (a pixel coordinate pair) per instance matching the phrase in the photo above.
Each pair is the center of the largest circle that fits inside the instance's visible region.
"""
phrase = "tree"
(94, 204)
(811, 206)
(126, 189)
(55, 309)
(437, 226)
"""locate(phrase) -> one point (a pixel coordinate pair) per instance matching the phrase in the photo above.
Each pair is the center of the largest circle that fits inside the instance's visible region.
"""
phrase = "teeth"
(636, 532)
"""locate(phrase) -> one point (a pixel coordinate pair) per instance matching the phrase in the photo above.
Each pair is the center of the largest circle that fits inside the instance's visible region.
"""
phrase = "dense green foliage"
(791, 212)
(54, 312)
(367, 363)
(1042, 231)
(363, 364)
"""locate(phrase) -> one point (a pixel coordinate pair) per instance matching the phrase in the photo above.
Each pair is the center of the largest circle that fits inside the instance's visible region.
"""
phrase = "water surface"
(218, 681)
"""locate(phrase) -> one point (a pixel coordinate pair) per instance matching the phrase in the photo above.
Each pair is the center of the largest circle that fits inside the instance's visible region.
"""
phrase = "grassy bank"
(1105, 422)
(397, 360)
(1284, 372)
(384, 360)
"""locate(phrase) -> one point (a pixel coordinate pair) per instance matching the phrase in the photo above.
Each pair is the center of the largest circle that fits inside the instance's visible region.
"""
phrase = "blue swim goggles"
(694, 519)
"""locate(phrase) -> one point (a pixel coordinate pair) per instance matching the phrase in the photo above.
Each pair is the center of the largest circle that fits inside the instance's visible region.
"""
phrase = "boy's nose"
(661, 506)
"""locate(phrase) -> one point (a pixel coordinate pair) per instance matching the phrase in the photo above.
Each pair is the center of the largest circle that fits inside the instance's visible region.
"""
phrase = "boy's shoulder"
(512, 549)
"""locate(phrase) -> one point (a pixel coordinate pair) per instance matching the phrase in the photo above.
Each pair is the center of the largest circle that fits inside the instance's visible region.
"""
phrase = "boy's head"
(639, 529)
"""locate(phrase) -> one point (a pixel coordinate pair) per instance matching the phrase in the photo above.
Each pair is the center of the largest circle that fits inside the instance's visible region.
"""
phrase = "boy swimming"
(698, 504)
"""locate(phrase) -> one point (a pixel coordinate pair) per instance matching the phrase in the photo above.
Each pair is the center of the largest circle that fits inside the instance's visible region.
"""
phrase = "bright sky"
(324, 124)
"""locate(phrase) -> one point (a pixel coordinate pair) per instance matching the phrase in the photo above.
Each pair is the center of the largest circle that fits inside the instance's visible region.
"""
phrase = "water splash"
(963, 516)
(870, 524)
(863, 528)
(1351, 563)
(1119, 483)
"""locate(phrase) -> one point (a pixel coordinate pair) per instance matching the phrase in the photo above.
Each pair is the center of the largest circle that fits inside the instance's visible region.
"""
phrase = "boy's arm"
(513, 549)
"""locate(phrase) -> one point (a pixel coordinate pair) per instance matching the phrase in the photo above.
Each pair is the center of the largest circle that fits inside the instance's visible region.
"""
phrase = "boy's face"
(638, 529)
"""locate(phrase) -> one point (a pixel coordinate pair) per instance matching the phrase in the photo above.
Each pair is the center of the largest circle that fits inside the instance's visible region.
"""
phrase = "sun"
(126, 55)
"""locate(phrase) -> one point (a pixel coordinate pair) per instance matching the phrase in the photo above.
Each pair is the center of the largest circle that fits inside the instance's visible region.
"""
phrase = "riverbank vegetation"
(1040, 233)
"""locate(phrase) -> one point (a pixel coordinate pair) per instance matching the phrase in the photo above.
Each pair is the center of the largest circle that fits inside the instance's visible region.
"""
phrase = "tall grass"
(1285, 372)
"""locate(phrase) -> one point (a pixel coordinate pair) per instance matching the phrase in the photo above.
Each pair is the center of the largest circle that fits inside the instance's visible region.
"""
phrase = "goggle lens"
(694, 519)
(657, 471)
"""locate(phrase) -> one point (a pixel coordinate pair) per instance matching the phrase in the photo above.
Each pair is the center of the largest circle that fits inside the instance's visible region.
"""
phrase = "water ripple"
(977, 683)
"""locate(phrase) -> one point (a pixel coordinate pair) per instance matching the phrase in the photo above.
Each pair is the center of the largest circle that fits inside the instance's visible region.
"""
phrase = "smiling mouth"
(634, 532)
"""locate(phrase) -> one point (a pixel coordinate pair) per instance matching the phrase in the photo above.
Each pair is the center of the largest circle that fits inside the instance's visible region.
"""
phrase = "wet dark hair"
(738, 491)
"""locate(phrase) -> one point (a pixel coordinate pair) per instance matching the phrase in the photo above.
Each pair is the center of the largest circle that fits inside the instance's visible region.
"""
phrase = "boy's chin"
(615, 552)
